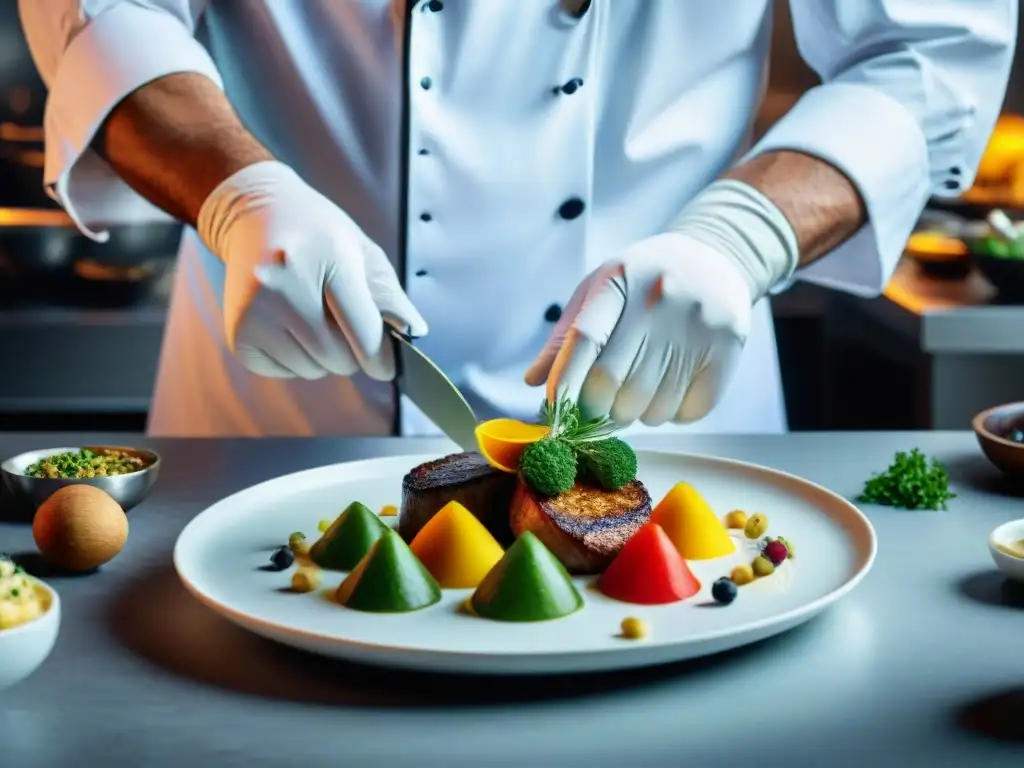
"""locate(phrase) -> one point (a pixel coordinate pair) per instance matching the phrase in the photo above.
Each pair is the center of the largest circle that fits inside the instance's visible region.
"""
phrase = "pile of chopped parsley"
(912, 481)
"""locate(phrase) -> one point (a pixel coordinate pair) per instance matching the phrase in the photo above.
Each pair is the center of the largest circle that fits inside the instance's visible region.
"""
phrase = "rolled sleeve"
(911, 94)
(879, 146)
(114, 54)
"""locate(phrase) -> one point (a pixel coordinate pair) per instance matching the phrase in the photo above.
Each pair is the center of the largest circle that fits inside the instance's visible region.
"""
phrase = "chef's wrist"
(236, 194)
(742, 224)
(176, 138)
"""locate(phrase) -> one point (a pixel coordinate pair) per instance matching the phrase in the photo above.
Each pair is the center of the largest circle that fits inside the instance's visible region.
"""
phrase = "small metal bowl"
(127, 490)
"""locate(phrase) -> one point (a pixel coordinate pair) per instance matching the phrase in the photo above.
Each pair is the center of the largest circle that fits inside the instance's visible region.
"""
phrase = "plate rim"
(791, 618)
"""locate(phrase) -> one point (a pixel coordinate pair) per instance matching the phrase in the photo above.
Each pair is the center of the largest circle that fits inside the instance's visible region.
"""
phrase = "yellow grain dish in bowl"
(22, 599)
(934, 246)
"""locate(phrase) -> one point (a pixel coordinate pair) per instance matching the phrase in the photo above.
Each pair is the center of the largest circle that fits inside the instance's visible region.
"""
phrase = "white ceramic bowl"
(1007, 534)
(24, 648)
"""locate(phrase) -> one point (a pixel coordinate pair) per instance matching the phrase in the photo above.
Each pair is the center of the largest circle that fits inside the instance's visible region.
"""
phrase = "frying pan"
(43, 254)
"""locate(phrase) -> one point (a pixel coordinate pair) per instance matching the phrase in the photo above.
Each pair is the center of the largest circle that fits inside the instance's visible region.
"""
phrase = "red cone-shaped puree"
(649, 571)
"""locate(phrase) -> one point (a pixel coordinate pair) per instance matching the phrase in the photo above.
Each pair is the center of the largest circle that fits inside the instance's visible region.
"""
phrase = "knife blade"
(424, 383)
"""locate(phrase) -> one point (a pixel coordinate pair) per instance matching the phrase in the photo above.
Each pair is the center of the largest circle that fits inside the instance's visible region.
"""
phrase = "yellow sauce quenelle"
(21, 599)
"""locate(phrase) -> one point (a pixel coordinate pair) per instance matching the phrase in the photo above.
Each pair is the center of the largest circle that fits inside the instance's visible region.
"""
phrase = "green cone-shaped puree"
(390, 579)
(348, 539)
(527, 584)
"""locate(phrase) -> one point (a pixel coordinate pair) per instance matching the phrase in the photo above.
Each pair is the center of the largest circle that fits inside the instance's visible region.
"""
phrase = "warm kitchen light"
(1000, 179)
(1004, 151)
(33, 217)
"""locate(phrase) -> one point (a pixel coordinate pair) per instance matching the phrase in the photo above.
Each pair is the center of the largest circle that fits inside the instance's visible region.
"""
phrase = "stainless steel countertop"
(920, 665)
(945, 316)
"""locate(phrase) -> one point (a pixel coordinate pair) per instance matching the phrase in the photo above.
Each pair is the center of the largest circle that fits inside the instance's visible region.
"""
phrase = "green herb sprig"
(912, 481)
(575, 446)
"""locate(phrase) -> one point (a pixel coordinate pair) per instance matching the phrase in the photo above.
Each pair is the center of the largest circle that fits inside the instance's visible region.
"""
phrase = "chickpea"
(742, 574)
(634, 628)
(737, 519)
(306, 579)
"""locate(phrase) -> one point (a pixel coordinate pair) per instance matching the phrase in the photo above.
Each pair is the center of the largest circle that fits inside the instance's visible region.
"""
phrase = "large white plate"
(220, 553)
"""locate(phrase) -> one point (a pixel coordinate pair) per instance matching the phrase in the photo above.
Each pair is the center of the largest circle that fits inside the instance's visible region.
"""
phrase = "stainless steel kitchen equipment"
(29, 492)
(43, 257)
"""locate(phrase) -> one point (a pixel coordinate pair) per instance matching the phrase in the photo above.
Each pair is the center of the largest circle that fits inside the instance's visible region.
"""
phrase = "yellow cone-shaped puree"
(692, 525)
(456, 548)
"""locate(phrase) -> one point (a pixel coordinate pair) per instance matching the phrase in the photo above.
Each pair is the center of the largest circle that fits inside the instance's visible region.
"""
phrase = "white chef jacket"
(499, 150)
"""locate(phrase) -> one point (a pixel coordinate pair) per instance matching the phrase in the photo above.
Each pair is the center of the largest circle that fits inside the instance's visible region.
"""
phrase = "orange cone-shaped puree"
(692, 525)
(456, 548)
(649, 571)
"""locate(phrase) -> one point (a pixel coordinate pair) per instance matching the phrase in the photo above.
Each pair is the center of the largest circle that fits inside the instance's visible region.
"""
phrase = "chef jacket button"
(426, 217)
(421, 273)
(424, 152)
(570, 87)
(952, 184)
(571, 208)
(425, 83)
(577, 8)
(553, 313)
(955, 171)
(435, 5)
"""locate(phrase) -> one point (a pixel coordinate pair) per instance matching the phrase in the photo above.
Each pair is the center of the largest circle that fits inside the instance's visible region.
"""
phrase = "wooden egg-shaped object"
(79, 528)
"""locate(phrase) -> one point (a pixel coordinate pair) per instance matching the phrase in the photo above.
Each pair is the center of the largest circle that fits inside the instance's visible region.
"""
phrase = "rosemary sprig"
(564, 418)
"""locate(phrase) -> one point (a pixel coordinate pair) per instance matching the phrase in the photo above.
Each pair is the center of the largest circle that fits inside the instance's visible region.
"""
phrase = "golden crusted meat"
(584, 527)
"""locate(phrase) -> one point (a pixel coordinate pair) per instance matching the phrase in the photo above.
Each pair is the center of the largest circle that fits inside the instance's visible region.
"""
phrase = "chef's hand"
(306, 292)
(656, 334)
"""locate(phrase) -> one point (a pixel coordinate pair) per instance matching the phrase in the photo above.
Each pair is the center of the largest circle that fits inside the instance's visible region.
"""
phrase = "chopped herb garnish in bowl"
(86, 463)
(127, 474)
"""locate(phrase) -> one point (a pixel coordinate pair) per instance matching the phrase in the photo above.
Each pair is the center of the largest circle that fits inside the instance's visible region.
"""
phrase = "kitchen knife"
(419, 379)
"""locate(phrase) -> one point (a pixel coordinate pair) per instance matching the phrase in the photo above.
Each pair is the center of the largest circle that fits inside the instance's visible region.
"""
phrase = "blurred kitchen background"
(81, 323)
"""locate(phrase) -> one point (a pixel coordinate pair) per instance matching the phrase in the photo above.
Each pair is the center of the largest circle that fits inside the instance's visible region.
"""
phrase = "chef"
(554, 195)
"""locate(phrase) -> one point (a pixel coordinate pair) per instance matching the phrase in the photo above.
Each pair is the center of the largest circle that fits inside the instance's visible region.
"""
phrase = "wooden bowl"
(939, 254)
(991, 427)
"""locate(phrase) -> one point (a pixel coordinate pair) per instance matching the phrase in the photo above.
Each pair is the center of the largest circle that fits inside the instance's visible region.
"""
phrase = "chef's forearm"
(819, 201)
(174, 140)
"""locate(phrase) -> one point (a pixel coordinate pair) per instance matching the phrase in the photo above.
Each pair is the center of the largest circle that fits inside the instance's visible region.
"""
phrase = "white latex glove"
(657, 334)
(306, 292)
